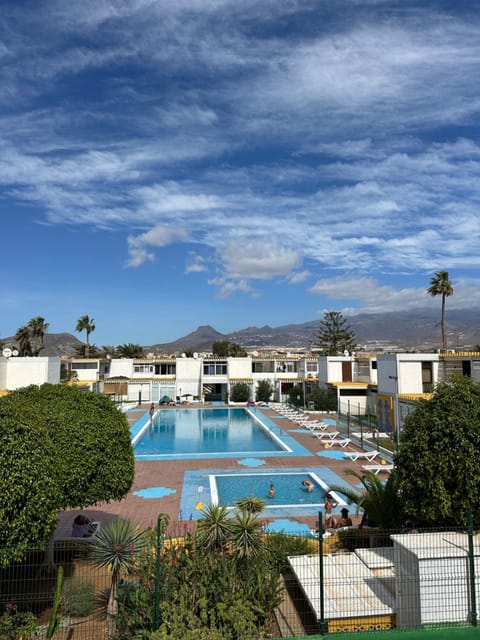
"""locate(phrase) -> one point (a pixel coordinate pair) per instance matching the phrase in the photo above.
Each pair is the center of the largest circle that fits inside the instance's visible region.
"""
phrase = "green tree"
(38, 328)
(295, 395)
(264, 391)
(61, 448)
(23, 340)
(335, 335)
(437, 462)
(240, 392)
(323, 399)
(224, 349)
(440, 285)
(85, 323)
(109, 350)
(130, 350)
(81, 351)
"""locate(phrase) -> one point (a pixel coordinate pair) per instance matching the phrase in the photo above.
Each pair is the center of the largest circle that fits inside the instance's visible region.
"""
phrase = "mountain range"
(412, 330)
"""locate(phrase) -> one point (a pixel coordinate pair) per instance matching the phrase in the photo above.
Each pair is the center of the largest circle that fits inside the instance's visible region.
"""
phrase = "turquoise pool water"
(205, 432)
(289, 493)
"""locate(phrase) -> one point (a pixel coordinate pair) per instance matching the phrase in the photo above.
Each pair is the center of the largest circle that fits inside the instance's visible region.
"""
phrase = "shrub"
(78, 597)
(240, 392)
(16, 624)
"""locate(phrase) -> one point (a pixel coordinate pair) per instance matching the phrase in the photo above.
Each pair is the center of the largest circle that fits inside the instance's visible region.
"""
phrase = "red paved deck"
(169, 473)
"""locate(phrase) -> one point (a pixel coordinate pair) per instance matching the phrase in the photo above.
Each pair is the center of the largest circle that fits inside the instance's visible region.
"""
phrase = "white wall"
(22, 372)
(189, 372)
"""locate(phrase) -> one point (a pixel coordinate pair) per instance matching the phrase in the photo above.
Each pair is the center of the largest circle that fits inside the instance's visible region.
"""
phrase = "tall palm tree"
(86, 324)
(38, 328)
(23, 340)
(440, 285)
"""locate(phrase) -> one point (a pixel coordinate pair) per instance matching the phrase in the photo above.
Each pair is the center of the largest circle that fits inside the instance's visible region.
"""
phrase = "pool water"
(205, 431)
(227, 488)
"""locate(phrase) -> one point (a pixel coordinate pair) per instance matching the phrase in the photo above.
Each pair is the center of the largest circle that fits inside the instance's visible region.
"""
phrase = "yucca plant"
(117, 546)
(214, 527)
(252, 504)
(245, 535)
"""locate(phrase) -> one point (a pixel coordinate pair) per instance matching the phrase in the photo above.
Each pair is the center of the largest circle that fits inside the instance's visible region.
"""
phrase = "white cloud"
(159, 236)
(258, 259)
(195, 264)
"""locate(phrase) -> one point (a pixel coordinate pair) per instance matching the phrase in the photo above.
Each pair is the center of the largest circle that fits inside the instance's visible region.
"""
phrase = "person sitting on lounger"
(308, 485)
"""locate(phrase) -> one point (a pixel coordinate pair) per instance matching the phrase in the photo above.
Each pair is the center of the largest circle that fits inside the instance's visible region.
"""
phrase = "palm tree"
(86, 324)
(23, 339)
(38, 328)
(379, 500)
(130, 350)
(118, 547)
(440, 285)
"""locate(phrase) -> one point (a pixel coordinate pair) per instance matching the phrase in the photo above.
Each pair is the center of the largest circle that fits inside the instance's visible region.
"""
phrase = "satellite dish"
(7, 352)
(14, 353)
(345, 353)
(195, 355)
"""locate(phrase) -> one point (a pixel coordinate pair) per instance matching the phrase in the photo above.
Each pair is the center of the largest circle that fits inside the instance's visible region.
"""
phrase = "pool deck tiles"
(150, 474)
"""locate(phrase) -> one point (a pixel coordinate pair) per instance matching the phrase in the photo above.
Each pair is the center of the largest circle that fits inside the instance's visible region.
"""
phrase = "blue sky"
(166, 164)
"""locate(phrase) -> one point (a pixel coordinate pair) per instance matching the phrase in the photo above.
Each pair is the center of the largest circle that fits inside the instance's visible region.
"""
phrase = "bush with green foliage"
(323, 399)
(222, 582)
(264, 391)
(78, 597)
(240, 392)
(295, 396)
(437, 462)
(16, 624)
(61, 447)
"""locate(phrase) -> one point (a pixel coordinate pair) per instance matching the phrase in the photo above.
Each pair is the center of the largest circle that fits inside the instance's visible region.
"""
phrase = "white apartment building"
(17, 372)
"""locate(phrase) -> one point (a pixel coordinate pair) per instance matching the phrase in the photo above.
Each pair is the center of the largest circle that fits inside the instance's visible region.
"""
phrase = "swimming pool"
(226, 488)
(211, 432)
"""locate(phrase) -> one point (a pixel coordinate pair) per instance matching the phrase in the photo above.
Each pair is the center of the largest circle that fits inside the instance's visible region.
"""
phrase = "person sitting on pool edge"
(344, 520)
(271, 491)
(308, 485)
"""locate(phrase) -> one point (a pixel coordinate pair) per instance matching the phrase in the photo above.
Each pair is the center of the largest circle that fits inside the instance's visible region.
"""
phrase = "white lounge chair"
(378, 468)
(361, 455)
(326, 435)
(342, 442)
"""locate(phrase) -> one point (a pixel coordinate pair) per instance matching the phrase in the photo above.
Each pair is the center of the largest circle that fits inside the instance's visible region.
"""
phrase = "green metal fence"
(354, 580)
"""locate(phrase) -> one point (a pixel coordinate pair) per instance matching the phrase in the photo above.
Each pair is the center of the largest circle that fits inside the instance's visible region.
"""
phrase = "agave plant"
(117, 546)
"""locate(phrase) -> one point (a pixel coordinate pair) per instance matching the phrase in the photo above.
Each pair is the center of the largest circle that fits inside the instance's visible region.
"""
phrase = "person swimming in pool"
(271, 491)
(308, 485)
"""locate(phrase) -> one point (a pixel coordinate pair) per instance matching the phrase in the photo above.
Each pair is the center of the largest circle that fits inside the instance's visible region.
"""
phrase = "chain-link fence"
(355, 580)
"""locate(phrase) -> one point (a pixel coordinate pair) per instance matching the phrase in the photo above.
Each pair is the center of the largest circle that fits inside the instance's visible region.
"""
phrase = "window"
(143, 368)
(214, 368)
(264, 366)
(165, 369)
(85, 365)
